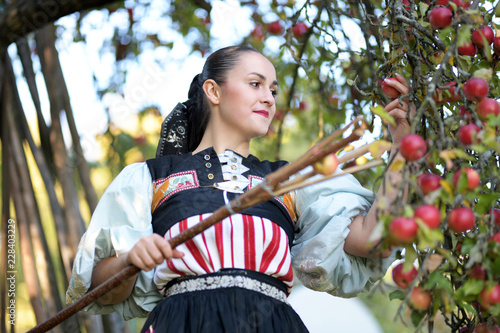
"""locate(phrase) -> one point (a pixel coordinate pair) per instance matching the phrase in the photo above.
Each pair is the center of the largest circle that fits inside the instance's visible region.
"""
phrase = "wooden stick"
(355, 153)
(263, 192)
(294, 186)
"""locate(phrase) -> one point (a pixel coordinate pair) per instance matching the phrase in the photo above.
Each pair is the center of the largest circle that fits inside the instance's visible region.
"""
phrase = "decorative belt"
(229, 278)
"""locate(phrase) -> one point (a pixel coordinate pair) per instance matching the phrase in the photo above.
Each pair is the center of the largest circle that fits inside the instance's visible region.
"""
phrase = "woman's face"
(247, 103)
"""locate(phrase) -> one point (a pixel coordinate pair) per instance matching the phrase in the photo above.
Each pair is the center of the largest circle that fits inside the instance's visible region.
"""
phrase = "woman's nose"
(268, 97)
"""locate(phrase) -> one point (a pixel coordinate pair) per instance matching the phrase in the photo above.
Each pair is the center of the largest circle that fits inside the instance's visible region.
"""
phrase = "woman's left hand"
(399, 110)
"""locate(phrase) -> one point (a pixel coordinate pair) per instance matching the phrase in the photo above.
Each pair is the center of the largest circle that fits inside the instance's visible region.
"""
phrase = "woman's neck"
(221, 141)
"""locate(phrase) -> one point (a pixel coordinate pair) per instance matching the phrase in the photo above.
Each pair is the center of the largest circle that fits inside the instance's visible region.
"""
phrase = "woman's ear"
(212, 91)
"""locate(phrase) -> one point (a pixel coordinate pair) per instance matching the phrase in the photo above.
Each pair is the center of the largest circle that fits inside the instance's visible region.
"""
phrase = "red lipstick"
(263, 113)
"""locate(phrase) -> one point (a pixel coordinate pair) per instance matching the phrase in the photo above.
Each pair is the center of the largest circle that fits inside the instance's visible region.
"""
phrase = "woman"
(235, 276)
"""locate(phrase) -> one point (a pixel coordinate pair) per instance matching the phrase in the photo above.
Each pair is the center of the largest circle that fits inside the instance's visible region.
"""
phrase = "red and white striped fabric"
(239, 241)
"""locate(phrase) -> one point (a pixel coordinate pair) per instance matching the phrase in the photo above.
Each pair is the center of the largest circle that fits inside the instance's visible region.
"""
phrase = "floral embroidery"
(165, 187)
(225, 281)
(180, 185)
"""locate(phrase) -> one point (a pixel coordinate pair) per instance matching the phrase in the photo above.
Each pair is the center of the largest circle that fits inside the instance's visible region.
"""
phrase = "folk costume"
(236, 275)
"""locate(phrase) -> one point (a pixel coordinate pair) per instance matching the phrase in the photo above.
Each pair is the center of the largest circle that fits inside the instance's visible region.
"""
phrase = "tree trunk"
(64, 167)
(24, 53)
(28, 264)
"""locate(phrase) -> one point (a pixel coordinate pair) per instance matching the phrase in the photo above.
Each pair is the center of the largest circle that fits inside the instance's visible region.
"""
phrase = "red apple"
(495, 238)
(483, 328)
(483, 31)
(258, 33)
(473, 179)
(402, 230)
(486, 107)
(453, 95)
(496, 45)
(327, 165)
(401, 278)
(469, 49)
(468, 134)
(447, 94)
(440, 17)
(412, 147)
(275, 28)
(496, 215)
(420, 298)
(461, 219)
(490, 296)
(428, 182)
(462, 3)
(477, 273)
(476, 89)
(388, 90)
(299, 30)
(429, 214)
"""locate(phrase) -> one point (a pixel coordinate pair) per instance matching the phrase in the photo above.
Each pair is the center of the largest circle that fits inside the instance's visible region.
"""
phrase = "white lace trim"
(232, 170)
(226, 281)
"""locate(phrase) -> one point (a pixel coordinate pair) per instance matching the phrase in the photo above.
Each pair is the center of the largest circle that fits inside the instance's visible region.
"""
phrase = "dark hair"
(216, 67)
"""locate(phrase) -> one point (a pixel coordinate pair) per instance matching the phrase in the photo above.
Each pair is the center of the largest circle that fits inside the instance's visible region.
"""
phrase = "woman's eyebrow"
(263, 78)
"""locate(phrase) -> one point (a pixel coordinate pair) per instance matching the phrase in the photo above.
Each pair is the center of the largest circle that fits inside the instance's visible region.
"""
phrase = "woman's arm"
(146, 254)
(357, 242)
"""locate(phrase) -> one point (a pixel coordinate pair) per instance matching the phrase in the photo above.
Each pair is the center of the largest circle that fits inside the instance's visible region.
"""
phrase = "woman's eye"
(274, 93)
(255, 84)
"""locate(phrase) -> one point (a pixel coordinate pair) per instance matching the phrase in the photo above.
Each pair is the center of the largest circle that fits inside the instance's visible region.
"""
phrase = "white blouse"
(324, 211)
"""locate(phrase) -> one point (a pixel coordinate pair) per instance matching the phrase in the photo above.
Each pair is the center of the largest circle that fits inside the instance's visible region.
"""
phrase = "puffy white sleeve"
(121, 218)
(325, 212)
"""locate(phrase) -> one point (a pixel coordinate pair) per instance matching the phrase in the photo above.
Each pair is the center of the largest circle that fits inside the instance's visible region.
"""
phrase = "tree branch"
(24, 16)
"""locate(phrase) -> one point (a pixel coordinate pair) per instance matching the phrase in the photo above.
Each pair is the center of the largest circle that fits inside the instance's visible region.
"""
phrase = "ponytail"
(197, 113)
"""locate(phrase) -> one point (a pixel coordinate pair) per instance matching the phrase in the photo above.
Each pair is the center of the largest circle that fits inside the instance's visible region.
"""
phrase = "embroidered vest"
(187, 185)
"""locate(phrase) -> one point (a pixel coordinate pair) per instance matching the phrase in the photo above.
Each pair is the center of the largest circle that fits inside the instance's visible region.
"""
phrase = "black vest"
(184, 187)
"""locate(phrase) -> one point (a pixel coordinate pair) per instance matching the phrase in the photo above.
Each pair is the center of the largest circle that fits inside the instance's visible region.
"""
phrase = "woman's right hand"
(151, 251)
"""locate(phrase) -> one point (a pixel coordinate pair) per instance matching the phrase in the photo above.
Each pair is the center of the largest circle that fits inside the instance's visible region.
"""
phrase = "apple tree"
(448, 229)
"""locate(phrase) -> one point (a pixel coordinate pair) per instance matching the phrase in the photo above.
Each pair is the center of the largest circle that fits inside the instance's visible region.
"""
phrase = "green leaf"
(462, 154)
(464, 34)
(462, 182)
(397, 294)
(468, 307)
(485, 202)
(484, 73)
(410, 257)
(423, 8)
(438, 281)
(416, 317)
(472, 287)
(495, 310)
(428, 238)
(495, 267)
(380, 111)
